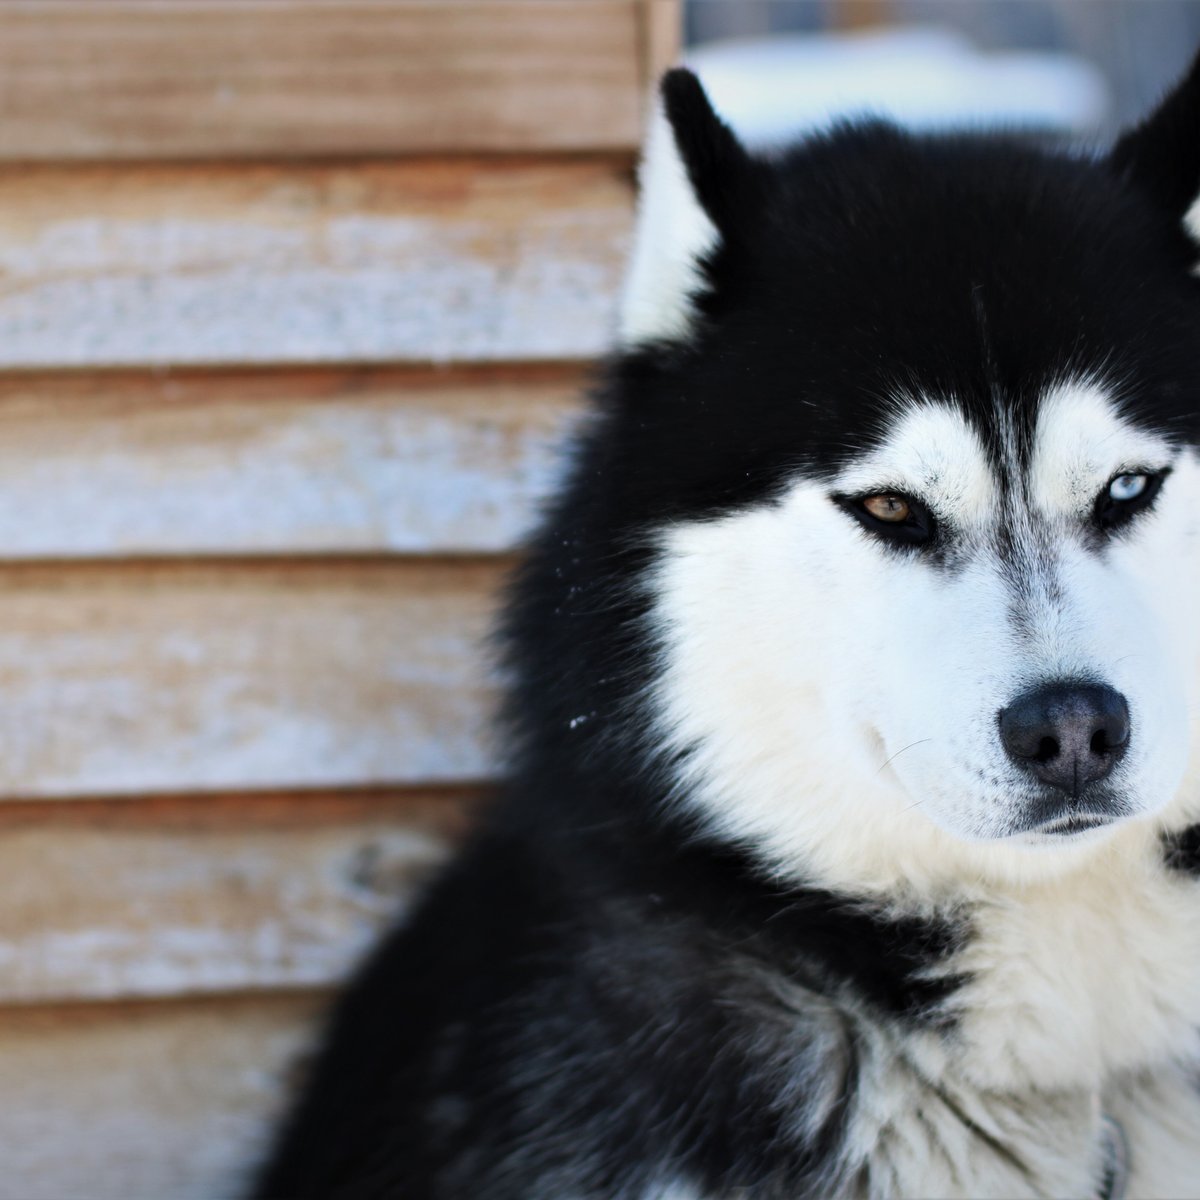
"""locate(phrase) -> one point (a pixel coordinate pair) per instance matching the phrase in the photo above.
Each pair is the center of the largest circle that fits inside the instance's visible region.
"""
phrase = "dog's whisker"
(892, 758)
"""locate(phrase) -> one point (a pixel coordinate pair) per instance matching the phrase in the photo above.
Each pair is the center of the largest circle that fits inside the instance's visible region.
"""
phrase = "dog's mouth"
(1073, 824)
(1052, 816)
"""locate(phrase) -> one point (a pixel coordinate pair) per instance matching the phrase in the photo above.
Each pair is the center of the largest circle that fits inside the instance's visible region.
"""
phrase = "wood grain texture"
(425, 261)
(277, 462)
(186, 895)
(173, 678)
(238, 78)
(145, 1101)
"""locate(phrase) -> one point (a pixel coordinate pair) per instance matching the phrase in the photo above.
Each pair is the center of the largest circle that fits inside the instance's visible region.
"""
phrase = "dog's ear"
(1162, 153)
(718, 167)
(697, 184)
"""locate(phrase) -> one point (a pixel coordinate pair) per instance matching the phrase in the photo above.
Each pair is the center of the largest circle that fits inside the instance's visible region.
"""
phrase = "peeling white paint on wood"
(424, 261)
(281, 462)
(145, 1102)
(200, 895)
(169, 678)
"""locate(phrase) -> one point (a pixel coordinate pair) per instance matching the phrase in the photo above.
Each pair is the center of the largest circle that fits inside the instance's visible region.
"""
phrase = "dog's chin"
(1067, 831)
(1045, 821)
(1019, 851)
(1049, 817)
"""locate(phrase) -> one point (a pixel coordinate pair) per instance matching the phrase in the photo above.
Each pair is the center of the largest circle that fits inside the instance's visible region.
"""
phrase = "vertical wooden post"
(661, 24)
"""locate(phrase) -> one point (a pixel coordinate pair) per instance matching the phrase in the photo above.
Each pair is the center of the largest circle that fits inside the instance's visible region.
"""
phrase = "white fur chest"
(1084, 1002)
(937, 1136)
(1077, 979)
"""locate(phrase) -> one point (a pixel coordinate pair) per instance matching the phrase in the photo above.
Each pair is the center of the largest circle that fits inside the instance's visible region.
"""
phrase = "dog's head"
(910, 424)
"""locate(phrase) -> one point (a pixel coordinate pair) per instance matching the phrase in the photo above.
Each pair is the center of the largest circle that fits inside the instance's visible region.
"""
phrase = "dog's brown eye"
(888, 508)
(891, 516)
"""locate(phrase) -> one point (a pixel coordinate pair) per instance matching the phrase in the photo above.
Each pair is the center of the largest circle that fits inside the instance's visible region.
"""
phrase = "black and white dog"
(851, 839)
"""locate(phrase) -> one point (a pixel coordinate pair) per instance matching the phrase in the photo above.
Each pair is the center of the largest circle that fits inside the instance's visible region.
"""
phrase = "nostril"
(1048, 749)
(1116, 729)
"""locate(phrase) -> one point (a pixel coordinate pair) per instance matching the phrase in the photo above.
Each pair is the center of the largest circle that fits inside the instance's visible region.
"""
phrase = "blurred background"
(1136, 46)
(296, 298)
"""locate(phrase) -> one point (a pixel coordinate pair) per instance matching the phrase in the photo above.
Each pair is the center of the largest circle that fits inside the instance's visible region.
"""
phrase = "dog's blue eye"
(1127, 495)
(1128, 487)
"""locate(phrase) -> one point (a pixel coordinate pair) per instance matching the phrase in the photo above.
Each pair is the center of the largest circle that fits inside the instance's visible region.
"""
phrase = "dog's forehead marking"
(1080, 442)
(930, 451)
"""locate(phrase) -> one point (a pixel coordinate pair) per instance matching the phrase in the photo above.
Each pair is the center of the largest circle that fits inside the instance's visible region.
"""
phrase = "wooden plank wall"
(296, 298)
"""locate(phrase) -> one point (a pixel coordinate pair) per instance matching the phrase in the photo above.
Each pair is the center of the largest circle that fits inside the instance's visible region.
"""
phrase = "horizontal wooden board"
(424, 261)
(177, 677)
(145, 1101)
(224, 78)
(179, 896)
(281, 462)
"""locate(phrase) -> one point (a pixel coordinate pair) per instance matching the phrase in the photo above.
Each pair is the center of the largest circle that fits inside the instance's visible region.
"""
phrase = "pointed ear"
(696, 181)
(717, 164)
(1162, 153)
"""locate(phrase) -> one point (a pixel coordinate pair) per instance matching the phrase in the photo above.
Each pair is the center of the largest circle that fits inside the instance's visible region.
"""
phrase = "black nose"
(1068, 735)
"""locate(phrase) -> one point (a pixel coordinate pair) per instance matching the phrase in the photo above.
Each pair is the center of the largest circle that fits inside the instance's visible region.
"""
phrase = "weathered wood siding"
(417, 261)
(123, 678)
(207, 894)
(297, 297)
(316, 461)
(136, 79)
(142, 1101)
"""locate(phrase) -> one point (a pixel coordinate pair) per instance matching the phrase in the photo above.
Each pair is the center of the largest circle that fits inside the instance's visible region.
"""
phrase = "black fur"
(574, 1008)
(726, 180)
(594, 996)
(1162, 154)
(1181, 851)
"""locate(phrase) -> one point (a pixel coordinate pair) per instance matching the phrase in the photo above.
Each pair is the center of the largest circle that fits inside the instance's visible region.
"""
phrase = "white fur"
(1191, 220)
(933, 453)
(673, 234)
(838, 701)
(1081, 444)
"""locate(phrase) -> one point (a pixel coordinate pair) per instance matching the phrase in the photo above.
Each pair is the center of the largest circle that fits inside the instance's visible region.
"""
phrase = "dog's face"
(926, 574)
(943, 634)
(1020, 630)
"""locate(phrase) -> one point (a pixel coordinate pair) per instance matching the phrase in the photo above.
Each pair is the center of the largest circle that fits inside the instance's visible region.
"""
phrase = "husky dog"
(850, 844)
